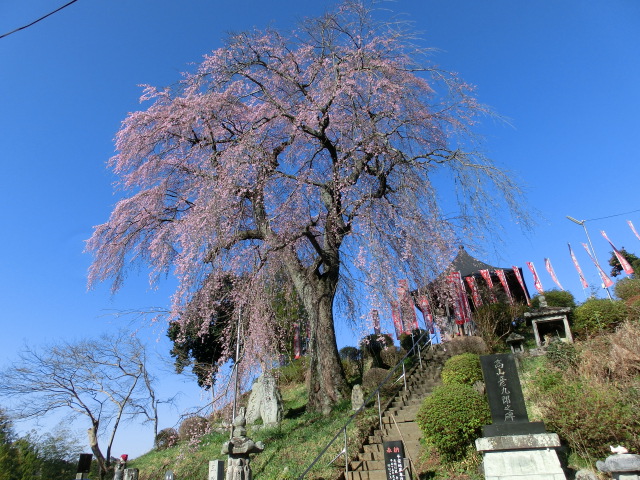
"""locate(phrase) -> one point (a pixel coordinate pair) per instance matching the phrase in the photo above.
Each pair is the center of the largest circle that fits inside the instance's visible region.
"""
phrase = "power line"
(611, 216)
(39, 19)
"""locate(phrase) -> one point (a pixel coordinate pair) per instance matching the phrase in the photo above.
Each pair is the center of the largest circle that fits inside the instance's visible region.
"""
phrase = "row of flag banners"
(403, 312)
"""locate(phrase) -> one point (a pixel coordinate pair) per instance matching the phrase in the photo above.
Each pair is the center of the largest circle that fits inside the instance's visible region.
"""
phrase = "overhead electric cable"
(611, 216)
(36, 21)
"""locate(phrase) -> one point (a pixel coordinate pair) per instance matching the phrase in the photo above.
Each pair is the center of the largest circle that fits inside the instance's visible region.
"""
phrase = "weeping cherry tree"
(327, 152)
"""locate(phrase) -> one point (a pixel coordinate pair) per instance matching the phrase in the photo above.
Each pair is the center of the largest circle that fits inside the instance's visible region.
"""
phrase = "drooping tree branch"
(331, 151)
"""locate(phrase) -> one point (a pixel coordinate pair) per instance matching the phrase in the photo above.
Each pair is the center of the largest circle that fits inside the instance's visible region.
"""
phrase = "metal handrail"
(376, 393)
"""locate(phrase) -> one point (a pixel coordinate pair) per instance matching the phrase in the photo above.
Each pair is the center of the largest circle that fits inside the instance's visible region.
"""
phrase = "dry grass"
(459, 345)
(614, 357)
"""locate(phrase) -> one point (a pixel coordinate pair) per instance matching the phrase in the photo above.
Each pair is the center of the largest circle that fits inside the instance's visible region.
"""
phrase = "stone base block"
(626, 476)
(510, 429)
(521, 457)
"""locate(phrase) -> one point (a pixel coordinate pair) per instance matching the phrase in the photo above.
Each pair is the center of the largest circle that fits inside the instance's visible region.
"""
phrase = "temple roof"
(467, 265)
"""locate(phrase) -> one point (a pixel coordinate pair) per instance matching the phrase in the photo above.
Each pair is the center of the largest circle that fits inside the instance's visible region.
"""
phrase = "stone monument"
(513, 448)
(118, 474)
(265, 401)
(238, 449)
(357, 398)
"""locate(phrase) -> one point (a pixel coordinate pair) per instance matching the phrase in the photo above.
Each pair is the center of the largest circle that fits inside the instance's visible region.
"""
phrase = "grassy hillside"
(289, 448)
(587, 392)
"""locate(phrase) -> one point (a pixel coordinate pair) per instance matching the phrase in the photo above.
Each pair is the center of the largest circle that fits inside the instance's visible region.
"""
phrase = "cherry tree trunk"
(326, 382)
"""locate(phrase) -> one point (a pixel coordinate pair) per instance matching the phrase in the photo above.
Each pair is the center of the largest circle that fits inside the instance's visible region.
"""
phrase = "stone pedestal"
(521, 457)
(131, 474)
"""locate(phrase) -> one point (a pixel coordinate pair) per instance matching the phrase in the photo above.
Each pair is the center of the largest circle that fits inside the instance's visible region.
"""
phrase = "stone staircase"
(399, 419)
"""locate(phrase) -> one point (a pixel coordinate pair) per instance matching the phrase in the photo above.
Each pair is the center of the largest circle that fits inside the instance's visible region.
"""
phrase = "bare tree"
(104, 380)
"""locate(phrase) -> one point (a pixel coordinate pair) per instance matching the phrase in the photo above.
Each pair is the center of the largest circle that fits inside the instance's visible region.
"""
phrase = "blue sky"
(566, 76)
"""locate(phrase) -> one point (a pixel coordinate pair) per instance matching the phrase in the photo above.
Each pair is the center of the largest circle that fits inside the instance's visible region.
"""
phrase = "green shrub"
(462, 369)
(353, 371)
(562, 355)
(599, 315)
(590, 416)
(352, 363)
(628, 290)
(545, 380)
(352, 354)
(555, 298)
(294, 372)
(451, 419)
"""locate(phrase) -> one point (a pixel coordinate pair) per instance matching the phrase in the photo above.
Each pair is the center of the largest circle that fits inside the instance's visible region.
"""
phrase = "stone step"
(424, 387)
(410, 427)
(422, 381)
(402, 417)
(406, 437)
(412, 452)
(408, 403)
(367, 475)
(367, 465)
(403, 409)
(410, 408)
(373, 448)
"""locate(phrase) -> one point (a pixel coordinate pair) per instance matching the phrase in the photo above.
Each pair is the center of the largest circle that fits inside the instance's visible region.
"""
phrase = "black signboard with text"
(84, 462)
(506, 401)
(394, 460)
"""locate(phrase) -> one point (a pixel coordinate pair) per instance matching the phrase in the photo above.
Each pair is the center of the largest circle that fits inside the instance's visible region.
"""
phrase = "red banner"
(633, 229)
(516, 270)
(536, 279)
(605, 280)
(487, 278)
(397, 319)
(577, 265)
(623, 261)
(425, 308)
(547, 264)
(462, 310)
(475, 293)
(505, 285)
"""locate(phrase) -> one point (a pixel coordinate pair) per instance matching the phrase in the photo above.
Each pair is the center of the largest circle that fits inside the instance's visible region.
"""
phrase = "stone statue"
(120, 468)
(238, 449)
